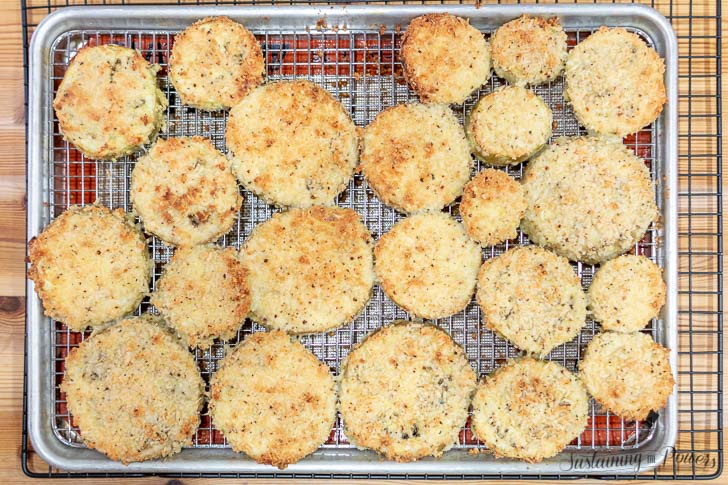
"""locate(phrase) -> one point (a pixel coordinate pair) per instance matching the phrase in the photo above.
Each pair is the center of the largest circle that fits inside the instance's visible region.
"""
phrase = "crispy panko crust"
(531, 297)
(310, 270)
(492, 206)
(428, 265)
(529, 50)
(292, 144)
(415, 157)
(109, 104)
(203, 294)
(405, 391)
(185, 192)
(589, 199)
(508, 126)
(615, 82)
(529, 409)
(627, 373)
(273, 399)
(134, 391)
(90, 266)
(445, 58)
(626, 293)
(215, 63)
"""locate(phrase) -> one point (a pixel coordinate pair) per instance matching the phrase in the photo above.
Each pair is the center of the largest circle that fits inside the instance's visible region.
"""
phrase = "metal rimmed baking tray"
(352, 51)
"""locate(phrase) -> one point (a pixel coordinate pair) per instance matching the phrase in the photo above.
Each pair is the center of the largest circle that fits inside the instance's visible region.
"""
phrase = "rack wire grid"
(362, 69)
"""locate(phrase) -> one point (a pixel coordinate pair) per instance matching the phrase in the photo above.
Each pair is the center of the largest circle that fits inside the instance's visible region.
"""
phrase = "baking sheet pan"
(352, 51)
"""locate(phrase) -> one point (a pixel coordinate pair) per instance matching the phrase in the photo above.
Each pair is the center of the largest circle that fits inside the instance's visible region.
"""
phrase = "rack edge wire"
(655, 474)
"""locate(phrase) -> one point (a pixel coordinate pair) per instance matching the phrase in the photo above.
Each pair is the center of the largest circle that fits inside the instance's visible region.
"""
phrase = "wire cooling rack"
(361, 68)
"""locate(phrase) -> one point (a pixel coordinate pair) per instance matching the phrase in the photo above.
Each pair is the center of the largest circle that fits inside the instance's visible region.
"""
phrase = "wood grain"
(12, 228)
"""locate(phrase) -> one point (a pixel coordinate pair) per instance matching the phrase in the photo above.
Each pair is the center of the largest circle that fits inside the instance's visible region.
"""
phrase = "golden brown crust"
(292, 144)
(428, 265)
(108, 104)
(492, 206)
(310, 270)
(184, 191)
(215, 62)
(529, 50)
(626, 293)
(405, 391)
(203, 294)
(615, 82)
(531, 297)
(529, 409)
(134, 391)
(415, 157)
(445, 58)
(273, 399)
(508, 126)
(628, 373)
(90, 266)
(589, 199)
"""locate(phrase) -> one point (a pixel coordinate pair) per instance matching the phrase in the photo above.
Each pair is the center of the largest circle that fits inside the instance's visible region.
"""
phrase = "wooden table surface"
(12, 244)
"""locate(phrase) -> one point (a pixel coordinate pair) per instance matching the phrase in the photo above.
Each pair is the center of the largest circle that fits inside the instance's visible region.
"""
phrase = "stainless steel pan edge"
(38, 327)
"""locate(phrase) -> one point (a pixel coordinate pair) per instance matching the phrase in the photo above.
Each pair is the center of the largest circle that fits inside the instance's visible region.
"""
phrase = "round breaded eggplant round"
(415, 157)
(214, 63)
(445, 58)
(203, 294)
(109, 104)
(529, 50)
(310, 270)
(508, 126)
(134, 391)
(185, 192)
(492, 206)
(428, 265)
(626, 293)
(531, 297)
(90, 266)
(405, 391)
(589, 199)
(529, 410)
(292, 144)
(273, 399)
(627, 373)
(615, 82)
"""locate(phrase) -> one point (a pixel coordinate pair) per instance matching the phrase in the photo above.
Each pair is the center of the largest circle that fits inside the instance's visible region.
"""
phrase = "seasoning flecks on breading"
(214, 63)
(292, 144)
(626, 293)
(273, 399)
(108, 104)
(185, 192)
(90, 266)
(492, 207)
(310, 270)
(134, 391)
(405, 391)
(445, 58)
